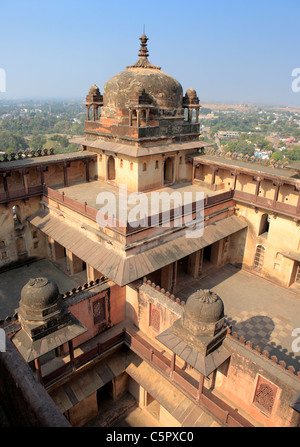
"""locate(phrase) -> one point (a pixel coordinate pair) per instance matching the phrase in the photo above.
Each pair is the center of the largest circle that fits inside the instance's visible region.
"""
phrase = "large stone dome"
(161, 89)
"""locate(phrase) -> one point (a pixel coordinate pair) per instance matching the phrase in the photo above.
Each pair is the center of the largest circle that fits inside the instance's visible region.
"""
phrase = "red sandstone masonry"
(280, 363)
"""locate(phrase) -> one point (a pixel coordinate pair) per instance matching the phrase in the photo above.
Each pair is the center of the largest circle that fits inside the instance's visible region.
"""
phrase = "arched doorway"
(111, 168)
(168, 170)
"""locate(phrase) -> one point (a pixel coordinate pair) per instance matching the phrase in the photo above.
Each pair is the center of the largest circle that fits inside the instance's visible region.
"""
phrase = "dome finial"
(143, 49)
(143, 55)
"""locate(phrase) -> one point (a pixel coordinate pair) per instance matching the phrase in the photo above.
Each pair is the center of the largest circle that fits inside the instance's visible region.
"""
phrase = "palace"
(198, 331)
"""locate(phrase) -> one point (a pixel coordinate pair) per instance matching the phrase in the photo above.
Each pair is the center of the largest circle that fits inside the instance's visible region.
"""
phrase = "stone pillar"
(74, 264)
(65, 175)
(147, 116)
(37, 365)
(138, 118)
(130, 117)
(200, 389)
(87, 170)
(258, 181)
(298, 203)
(194, 267)
(277, 187)
(71, 352)
(25, 181)
(174, 277)
(213, 177)
(169, 277)
(5, 185)
(235, 180)
(173, 363)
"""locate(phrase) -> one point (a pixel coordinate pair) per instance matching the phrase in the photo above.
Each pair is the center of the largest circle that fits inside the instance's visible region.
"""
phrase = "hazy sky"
(228, 50)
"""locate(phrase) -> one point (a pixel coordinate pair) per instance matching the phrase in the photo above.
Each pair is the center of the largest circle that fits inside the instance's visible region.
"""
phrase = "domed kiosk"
(40, 298)
(198, 335)
(141, 104)
(45, 323)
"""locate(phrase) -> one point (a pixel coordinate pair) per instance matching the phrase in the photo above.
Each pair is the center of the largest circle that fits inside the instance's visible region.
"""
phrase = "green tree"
(37, 142)
(277, 155)
(10, 142)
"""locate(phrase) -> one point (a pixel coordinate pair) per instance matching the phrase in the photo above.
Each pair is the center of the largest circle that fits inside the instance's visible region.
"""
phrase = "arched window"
(156, 164)
(264, 225)
(16, 214)
(144, 167)
(131, 166)
(121, 163)
(259, 258)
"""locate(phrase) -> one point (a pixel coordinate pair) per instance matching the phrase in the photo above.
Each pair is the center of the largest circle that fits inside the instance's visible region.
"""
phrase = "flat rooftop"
(45, 159)
(266, 171)
(88, 192)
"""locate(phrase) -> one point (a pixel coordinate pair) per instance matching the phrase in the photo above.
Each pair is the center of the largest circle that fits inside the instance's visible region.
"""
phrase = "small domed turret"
(39, 297)
(204, 306)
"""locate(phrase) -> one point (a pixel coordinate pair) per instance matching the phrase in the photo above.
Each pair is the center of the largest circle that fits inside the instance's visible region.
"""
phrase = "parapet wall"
(258, 384)
(26, 402)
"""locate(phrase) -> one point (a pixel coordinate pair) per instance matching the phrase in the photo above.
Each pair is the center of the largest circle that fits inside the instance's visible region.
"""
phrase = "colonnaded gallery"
(104, 320)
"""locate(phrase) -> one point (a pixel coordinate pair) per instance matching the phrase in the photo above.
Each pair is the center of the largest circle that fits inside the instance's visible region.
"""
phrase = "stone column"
(5, 186)
(37, 364)
(298, 203)
(65, 175)
(258, 181)
(87, 170)
(194, 264)
(169, 276)
(74, 263)
(138, 118)
(71, 352)
(200, 389)
(213, 177)
(130, 117)
(277, 187)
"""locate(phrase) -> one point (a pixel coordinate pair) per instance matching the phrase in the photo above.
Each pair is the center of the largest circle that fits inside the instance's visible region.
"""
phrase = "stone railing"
(85, 286)
(246, 158)
(26, 154)
(164, 292)
(264, 353)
